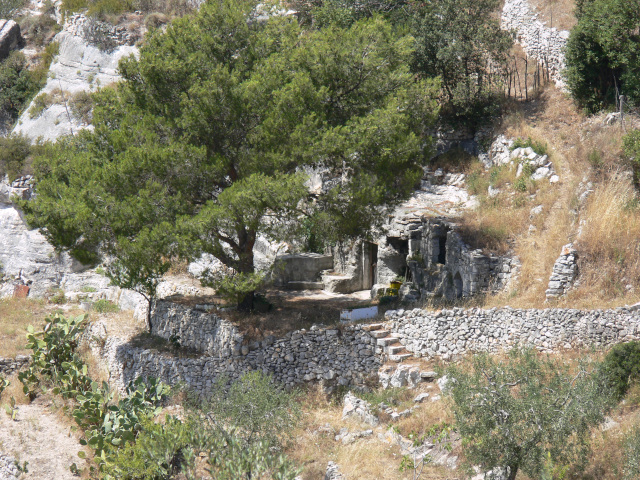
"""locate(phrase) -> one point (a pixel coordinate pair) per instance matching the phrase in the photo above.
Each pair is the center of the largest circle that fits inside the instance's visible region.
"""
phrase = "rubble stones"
(403, 376)
(348, 438)
(9, 366)
(565, 271)
(333, 472)
(501, 153)
(361, 409)
(421, 398)
(8, 468)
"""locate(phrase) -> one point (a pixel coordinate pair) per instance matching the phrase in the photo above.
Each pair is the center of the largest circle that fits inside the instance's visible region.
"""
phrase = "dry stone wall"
(449, 333)
(343, 356)
(9, 366)
(537, 40)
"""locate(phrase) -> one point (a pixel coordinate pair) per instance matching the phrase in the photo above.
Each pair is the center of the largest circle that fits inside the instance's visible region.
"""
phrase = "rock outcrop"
(79, 67)
(10, 37)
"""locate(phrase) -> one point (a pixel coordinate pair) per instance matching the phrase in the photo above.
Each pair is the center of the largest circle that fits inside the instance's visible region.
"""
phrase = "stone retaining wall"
(195, 328)
(344, 356)
(449, 333)
(9, 366)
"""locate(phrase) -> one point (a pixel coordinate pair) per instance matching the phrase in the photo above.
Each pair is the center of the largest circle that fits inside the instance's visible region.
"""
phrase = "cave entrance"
(442, 249)
(457, 284)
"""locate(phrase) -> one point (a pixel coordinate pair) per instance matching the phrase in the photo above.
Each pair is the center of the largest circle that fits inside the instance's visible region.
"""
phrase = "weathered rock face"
(26, 256)
(565, 271)
(449, 333)
(538, 41)
(10, 37)
(79, 66)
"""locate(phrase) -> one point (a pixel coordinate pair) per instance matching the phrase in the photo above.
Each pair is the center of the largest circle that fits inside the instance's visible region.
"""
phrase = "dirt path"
(42, 439)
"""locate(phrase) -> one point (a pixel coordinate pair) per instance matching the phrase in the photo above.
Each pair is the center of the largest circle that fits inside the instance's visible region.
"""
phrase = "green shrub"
(39, 29)
(72, 6)
(526, 411)
(256, 408)
(103, 8)
(81, 106)
(15, 153)
(621, 366)
(541, 148)
(17, 85)
(58, 297)
(10, 8)
(105, 306)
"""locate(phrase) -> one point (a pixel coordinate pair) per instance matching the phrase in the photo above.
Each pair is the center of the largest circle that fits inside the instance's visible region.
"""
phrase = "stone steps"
(395, 349)
(379, 333)
(399, 357)
(372, 326)
(387, 343)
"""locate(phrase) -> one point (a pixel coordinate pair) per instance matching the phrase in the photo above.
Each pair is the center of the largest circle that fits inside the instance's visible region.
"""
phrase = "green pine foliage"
(201, 148)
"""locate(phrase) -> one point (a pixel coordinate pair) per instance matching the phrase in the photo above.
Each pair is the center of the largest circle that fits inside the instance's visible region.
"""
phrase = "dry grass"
(368, 458)
(610, 264)
(15, 315)
(556, 13)
(572, 139)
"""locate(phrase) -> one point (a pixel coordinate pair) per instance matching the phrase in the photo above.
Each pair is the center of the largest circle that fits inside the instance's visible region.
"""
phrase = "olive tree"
(526, 412)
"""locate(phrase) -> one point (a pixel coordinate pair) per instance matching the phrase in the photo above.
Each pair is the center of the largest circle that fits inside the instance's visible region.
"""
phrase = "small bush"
(256, 408)
(105, 306)
(15, 153)
(621, 366)
(540, 148)
(96, 33)
(103, 8)
(58, 298)
(595, 159)
(17, 85)
(72, 6)
(81, 105)
(46, 100)
(520, 185)
(39, 29)
(155, 20)
(10, 8)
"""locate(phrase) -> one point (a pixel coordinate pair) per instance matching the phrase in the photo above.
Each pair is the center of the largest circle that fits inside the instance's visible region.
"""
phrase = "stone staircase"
(387, 343)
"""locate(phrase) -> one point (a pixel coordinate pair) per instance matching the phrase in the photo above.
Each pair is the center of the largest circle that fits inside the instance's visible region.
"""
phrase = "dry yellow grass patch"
(368, 458)
(556, 13)
(15, 315)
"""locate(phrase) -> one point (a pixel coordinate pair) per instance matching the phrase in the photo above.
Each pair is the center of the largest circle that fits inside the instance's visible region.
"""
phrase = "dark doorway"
(457, 283)
(369, 270)
(442, 250)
